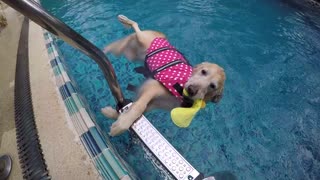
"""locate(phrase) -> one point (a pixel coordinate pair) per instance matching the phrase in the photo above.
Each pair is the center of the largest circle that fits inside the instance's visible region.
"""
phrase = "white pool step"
(169, 157)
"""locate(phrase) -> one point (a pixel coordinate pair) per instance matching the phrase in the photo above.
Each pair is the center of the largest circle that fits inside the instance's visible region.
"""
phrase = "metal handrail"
(36, 13)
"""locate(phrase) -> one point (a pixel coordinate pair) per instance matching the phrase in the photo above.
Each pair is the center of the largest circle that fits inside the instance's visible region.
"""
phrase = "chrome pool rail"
(36, 13)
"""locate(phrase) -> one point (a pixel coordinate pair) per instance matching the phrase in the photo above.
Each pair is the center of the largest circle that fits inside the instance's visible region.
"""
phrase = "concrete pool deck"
(65, 156)
(9, 38)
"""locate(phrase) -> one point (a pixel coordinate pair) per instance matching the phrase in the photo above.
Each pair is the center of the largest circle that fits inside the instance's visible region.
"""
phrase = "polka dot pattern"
(179, 73)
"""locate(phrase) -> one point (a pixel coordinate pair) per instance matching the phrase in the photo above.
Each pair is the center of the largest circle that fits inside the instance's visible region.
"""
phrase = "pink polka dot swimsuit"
(177, 73)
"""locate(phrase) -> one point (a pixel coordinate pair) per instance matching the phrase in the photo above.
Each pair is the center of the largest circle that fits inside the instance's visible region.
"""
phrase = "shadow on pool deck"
(64, 154)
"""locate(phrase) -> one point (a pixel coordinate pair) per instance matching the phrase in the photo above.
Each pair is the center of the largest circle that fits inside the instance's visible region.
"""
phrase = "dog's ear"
(216, 98)
(218, 95)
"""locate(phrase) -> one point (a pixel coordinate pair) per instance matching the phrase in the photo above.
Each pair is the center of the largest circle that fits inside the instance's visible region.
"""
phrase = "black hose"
(29, 149)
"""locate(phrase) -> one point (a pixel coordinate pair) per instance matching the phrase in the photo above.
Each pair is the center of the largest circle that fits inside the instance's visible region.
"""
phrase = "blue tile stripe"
(103, 156)
(92, 145)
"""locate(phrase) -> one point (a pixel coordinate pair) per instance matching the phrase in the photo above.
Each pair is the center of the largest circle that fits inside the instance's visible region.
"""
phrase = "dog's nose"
(192, 90)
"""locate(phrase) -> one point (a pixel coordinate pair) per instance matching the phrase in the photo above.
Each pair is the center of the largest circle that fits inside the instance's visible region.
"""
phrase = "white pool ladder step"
(170, 158)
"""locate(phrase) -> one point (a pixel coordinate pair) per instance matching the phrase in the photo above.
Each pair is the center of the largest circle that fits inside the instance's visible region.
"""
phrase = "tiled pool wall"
(106, 160)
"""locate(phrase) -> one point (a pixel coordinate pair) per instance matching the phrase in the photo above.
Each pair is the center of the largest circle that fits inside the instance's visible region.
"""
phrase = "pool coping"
(108, 163)
(63, 152)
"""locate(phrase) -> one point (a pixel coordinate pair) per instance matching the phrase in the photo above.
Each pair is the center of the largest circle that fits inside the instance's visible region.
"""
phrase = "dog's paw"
(125, 120)
(120, 126)
(106, 49)
(109, 112)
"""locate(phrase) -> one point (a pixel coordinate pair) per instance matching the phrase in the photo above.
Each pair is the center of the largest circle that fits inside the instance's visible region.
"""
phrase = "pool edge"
(103, 157)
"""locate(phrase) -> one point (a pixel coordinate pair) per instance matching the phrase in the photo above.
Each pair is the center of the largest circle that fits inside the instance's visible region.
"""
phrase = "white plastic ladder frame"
(168, 156)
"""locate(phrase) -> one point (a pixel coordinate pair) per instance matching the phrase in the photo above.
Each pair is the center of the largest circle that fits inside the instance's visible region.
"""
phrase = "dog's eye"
(213, 86)
(203, 72)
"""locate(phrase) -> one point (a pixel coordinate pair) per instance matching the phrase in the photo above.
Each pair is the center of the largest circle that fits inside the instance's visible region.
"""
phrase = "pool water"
(267, 125)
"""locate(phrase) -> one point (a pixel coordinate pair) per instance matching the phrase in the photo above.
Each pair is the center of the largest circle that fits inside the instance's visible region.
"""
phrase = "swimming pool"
(266, 126)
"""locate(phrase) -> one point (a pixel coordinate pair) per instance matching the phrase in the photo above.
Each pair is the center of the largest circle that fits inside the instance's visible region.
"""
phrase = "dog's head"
(206, 82)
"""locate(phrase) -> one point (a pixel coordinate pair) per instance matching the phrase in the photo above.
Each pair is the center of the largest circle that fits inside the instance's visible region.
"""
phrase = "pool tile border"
(105, 159)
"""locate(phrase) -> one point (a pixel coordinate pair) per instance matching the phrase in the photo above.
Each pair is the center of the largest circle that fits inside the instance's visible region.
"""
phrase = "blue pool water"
(267, 126)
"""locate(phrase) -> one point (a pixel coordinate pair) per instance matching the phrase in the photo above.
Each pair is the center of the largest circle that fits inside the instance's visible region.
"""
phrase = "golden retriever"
(206, 80)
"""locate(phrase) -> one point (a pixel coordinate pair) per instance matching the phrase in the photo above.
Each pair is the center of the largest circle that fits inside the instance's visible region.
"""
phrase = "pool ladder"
(169, 157)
